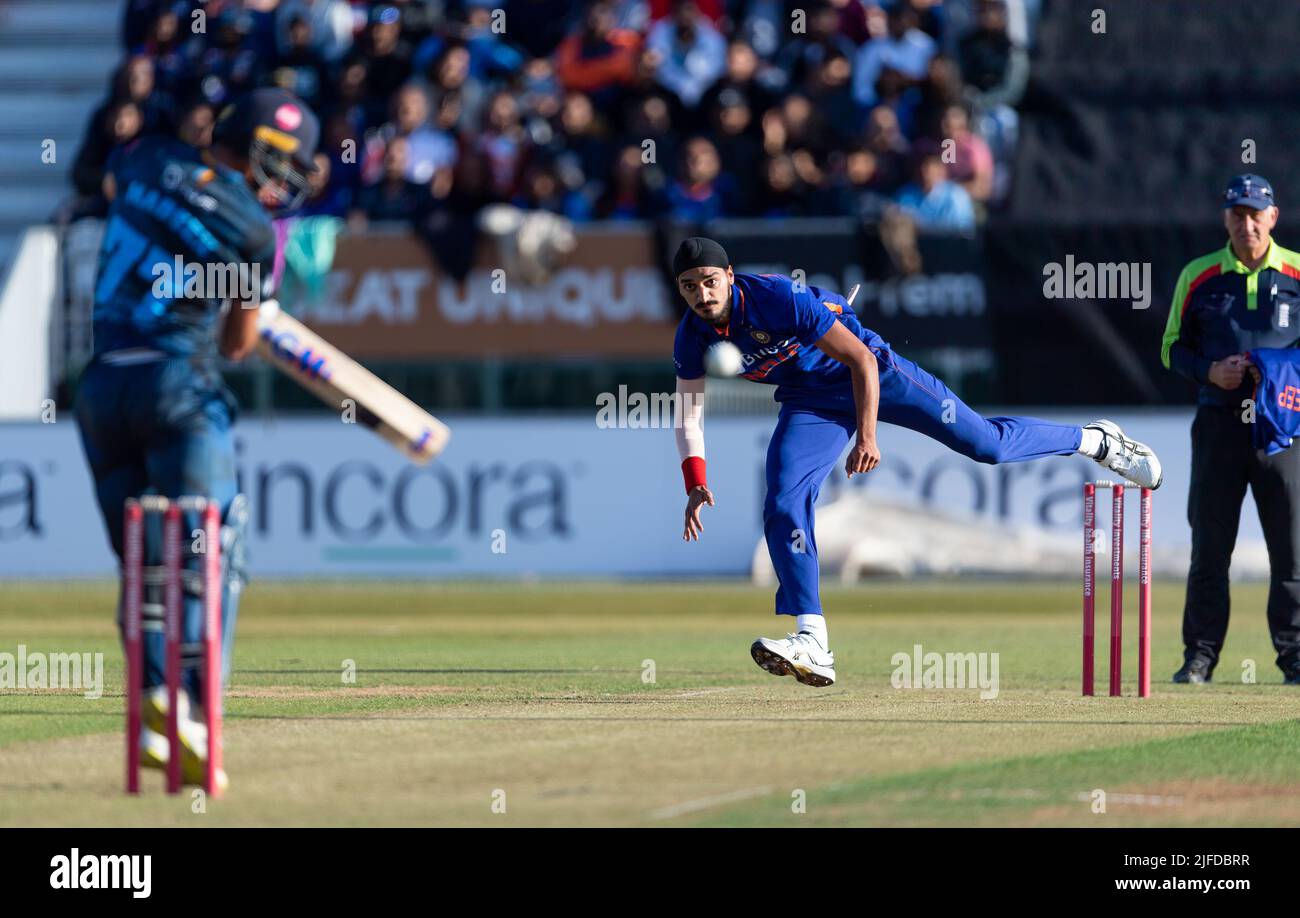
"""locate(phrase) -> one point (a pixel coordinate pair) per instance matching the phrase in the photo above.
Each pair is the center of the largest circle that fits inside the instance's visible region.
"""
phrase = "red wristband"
(693, 472)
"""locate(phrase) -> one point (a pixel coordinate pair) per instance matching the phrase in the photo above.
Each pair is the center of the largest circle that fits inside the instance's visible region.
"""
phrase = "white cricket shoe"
(799, 655)
(1134, 460)
(155, 750)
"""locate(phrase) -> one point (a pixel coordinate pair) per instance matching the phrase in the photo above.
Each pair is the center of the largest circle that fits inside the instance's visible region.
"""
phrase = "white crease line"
(707, 691)
(691, 806)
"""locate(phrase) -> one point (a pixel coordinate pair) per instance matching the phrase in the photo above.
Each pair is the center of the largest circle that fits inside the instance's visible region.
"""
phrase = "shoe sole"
(778, 665)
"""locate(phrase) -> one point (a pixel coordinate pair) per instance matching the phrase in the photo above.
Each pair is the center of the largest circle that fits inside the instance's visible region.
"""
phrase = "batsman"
(154, 414)
(834, 381)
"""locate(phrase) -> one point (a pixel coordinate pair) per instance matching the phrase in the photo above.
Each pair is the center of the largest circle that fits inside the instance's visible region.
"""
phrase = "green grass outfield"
(469, 694)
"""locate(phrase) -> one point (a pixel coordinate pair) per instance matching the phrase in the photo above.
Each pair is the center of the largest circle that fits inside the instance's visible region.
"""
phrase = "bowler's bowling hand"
(1228, 372)
(864, 456)
(699, 496)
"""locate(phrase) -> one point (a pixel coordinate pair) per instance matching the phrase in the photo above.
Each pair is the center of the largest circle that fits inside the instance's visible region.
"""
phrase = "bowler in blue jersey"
(835, 381)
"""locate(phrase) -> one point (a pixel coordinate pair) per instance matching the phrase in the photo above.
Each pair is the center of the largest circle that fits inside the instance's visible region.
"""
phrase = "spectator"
(491, 57)
(117, 125)
(543, 189)
(451, 227)
(775, 137)
(804, 126)
(905, 49)
(747, 76)
(388, 60)
(447, 115)
(995, 70)
(307, 75)
(393, 197)
(972, 163)
(861, 188)
(701, 192)
(540, 91)
(762, 25)
(128, 112)
(934, 202)
(853, 22)
(331, 25)
(940, 91)
(738, 145)
(631, 190)
(161, 29)
(584, 137)
(229, 68)
(805, 53)
(649, 126)
(422, 18)
(323, 199)
(429, 149)
(692, 53)
(196, 123)
(451, 77)
(831, 95)
(931, 18)
(338, 142)
(173, 52)
(599, 60)
(887, 144)
(504, 145)
(348, 95)
(135, 82)
(138, 18)
(960, 15)
(780, 192)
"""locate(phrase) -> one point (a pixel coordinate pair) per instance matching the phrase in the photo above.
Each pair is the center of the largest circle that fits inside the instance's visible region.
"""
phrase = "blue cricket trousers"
(163, 428)
(808, 441)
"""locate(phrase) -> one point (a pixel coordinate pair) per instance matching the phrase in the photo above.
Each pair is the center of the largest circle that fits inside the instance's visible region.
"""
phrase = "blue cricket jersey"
(171, 204)
(1277, 398)
(776, 326)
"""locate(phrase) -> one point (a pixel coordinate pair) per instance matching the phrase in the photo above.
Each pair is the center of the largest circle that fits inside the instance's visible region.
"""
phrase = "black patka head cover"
(699, 252)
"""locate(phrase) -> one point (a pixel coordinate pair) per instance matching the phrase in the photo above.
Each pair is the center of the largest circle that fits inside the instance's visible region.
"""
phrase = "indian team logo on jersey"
(760, 336)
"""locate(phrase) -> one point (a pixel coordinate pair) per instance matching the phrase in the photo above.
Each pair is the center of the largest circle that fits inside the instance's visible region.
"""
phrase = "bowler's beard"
(725, 317)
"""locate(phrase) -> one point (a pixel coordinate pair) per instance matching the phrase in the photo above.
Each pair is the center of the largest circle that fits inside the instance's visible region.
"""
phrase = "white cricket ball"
(723, 359)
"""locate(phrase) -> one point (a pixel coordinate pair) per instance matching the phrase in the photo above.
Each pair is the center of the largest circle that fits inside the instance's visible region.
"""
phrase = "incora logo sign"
(359, 500)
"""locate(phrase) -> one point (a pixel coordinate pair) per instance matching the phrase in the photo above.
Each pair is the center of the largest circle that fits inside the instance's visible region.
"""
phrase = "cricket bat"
(335, 378)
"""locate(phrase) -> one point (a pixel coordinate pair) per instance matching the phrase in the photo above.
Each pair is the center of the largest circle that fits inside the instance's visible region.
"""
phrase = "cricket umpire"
(1227, 303)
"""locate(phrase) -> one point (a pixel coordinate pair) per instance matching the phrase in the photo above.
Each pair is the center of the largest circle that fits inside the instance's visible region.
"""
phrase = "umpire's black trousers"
(1224, 462)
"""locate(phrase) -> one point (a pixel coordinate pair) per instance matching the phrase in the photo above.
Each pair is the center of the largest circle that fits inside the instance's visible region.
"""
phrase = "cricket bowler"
(154, 414)
(835, 380)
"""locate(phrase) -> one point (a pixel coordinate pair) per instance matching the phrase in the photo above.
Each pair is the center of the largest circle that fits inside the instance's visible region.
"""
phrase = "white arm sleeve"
(689, 428)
